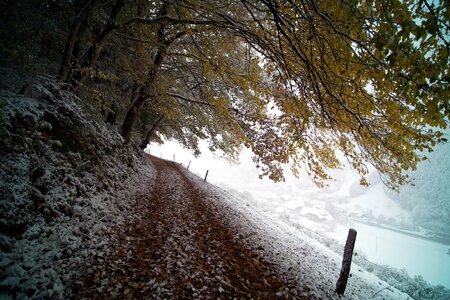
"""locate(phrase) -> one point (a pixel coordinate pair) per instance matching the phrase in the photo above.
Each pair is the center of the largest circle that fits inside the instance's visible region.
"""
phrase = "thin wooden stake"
(341, 284)
(188, 165)
(206, 175)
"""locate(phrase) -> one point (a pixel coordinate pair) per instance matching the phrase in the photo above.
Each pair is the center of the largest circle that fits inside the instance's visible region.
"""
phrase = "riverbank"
(434, 237)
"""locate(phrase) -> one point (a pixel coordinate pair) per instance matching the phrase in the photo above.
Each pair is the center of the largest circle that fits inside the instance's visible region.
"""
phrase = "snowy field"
(300, 258)
(57, 207)
(329, 212)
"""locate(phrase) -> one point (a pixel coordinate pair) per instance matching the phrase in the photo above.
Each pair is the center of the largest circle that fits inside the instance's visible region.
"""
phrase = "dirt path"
(181, 248)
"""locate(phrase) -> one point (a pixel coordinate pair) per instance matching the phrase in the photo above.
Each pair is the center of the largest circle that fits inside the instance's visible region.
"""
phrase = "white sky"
(243, 173)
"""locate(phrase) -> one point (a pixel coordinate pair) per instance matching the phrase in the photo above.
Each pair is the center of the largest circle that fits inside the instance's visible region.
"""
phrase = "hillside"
(66, 181)
(83, 216)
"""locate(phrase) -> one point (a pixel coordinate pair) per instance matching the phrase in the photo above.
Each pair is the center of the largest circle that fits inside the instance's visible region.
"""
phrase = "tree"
(368, 79)
(32, 35)
(83, 10)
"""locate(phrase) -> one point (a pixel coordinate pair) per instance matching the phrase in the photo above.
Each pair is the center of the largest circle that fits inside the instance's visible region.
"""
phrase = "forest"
(297, 82)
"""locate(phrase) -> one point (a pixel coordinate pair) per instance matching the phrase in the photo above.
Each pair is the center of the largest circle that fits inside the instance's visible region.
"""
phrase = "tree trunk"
(111, 117)
(150, 132)
(82, 12)
(93, 54)
(139, 100)
(67, 64)
(97, 46)
(148, 89)
(131, 117)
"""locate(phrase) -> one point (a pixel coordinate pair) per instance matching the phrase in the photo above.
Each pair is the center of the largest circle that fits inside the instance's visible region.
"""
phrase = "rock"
(9, 282)
(56, 143)
(28, 263)
(17, 271)
(30, 288)
(5, 243)
(45, 126)
(49, 213)
(65, 209)
(5, 262)
(37, 197)
(27, 90)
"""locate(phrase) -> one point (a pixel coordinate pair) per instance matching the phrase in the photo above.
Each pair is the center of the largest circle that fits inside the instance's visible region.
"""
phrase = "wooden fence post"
(188, 165)
(206, 175)
(341, 284)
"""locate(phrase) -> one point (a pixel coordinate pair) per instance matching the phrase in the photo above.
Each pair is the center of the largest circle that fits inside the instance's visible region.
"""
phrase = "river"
(416, 255)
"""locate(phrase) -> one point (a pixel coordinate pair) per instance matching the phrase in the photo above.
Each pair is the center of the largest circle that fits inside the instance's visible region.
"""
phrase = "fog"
(406, 230)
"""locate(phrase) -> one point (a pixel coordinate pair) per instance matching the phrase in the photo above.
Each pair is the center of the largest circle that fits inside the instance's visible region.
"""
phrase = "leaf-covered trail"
(182, 248)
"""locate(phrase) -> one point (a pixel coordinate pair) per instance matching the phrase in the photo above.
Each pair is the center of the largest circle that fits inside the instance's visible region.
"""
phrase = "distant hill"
(429, 199)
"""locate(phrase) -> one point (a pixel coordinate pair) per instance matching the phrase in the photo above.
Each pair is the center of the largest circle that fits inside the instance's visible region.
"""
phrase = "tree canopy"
(299, 82)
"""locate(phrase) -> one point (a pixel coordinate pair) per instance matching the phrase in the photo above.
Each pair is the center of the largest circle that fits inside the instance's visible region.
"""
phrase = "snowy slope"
(305, 261)
(66, 182)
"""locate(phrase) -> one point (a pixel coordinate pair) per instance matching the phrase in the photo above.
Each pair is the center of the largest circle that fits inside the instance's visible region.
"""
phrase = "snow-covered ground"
(328, 212)
(299, 257)
(66, 182)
